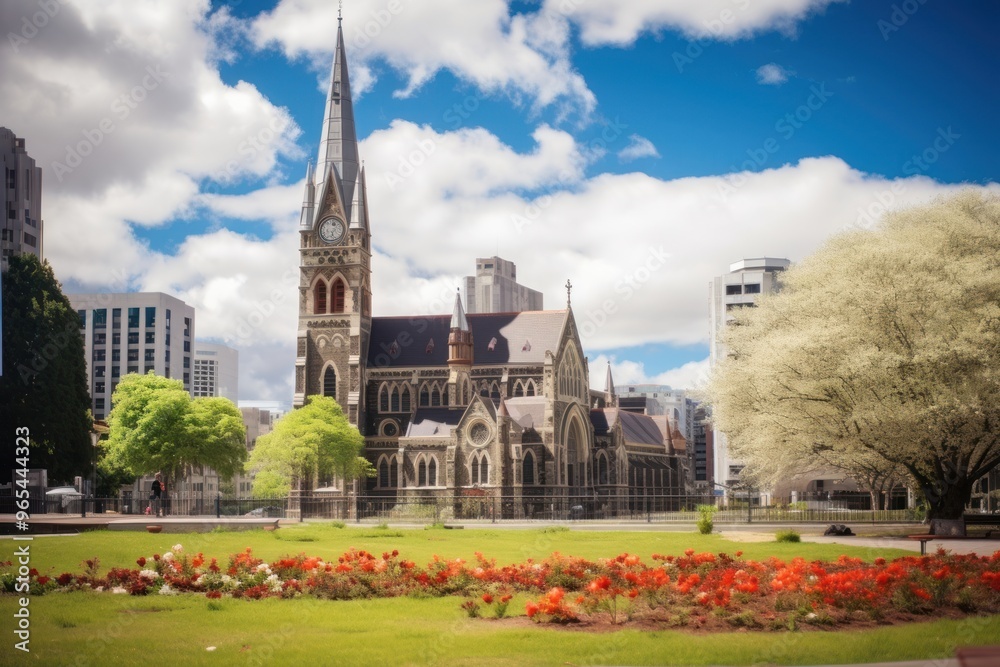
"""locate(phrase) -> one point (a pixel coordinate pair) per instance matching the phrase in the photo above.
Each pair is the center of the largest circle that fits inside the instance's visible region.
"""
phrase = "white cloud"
(772, 74)
(638, 147)
(692, 375)
(523, 55)
(124, 109)
(621, 22)
(480, 42)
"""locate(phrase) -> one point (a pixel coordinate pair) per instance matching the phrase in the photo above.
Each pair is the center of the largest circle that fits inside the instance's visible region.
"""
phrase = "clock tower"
(335, 260)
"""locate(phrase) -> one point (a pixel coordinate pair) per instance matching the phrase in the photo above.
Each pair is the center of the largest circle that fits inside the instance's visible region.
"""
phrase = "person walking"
(155, 494)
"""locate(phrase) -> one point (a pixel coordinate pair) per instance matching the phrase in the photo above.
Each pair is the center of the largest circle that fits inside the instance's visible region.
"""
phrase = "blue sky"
(707, 131)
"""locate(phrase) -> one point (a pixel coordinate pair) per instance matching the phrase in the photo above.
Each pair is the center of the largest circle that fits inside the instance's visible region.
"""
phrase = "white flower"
(148, 574)
(226, 578)
(99, 589)
(167, 590)
(119, 590)
(263, 567)
(168, 556)
(177, 548)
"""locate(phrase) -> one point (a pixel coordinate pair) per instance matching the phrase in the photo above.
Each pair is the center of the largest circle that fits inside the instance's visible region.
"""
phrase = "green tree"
(155, 426)
(44, 382)
(885, 343)
(316, 440)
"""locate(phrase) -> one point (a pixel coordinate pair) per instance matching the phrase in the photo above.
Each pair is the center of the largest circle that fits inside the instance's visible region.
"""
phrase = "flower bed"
(693, 590)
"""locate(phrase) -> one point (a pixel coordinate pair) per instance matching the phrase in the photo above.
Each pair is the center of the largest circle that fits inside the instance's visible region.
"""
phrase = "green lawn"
(104, 629)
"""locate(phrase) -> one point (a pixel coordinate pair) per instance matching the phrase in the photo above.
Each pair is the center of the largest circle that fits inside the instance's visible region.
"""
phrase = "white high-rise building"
(494, 289)
(746, 281)
(21, 216)
(216, 371)
(135, 332)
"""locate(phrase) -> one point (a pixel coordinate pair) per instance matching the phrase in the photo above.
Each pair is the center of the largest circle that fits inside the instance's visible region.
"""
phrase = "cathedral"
(456, 405)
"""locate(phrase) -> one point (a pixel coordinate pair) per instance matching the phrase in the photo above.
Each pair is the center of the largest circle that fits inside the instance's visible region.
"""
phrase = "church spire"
(308, 200)
(458, 319)
(609, 389)
(338, 148)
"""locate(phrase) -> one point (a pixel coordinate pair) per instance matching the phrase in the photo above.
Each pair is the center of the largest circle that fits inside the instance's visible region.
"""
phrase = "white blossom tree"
(882, 346)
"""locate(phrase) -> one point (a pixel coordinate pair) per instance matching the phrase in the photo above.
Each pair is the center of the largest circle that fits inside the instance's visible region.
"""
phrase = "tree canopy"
(155, 425)
(883, 346)
(44, 383)
(314, 440)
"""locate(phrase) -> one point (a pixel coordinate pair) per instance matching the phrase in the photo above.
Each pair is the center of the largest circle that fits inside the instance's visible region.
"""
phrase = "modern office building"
(216, 371)
(21, 224)
(135, 332)
(740, 288)
(494, 289)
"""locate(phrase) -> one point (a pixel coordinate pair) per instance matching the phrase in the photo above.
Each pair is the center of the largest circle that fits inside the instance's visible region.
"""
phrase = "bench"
(982, 520)
(924, 539)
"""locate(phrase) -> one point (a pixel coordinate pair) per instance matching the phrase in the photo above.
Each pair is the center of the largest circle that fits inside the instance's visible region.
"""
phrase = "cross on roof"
(569, 288)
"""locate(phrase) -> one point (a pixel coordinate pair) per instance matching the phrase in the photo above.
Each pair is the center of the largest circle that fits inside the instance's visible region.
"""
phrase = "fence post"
(649, 516)
(218, 505)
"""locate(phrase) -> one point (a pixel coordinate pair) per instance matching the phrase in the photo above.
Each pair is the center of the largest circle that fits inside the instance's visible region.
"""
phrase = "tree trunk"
(946, 504)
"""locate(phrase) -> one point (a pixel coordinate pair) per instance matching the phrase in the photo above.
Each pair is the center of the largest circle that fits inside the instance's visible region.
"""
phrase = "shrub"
(787, 536)
(705, 518)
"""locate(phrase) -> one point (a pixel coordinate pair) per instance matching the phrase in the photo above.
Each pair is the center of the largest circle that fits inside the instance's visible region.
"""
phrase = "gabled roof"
(636, 429)
(499, 339)
(434, 422)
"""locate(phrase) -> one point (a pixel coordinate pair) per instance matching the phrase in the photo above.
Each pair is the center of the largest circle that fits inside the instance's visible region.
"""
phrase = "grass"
(121, 630)
(787, 536)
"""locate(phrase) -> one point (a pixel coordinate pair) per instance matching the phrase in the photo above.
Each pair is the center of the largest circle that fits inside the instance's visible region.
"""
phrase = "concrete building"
(21, 226)
(494, 289)
(216, 371)
(134, 332)
(740, 288)
(258, 422)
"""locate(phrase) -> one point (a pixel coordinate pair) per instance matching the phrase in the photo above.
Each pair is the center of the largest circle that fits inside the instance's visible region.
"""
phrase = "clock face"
(332, 230)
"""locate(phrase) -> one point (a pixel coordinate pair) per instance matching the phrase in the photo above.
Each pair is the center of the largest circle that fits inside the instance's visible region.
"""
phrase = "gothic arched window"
(383, 473)
(422, 473)
(330, 382)
(432, 472)
(319, 298)
(528, 469)
(338, 297)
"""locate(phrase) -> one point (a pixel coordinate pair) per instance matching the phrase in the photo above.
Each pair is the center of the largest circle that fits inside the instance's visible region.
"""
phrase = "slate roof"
(434, 422)
(520, 338)
(637, 429)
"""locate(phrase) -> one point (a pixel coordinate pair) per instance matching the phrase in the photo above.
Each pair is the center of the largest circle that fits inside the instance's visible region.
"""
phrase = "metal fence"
(486, 509)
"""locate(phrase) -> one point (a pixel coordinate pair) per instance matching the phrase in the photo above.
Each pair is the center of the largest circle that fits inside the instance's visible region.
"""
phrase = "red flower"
(141, 561)
(487, 598)
(531, 609)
